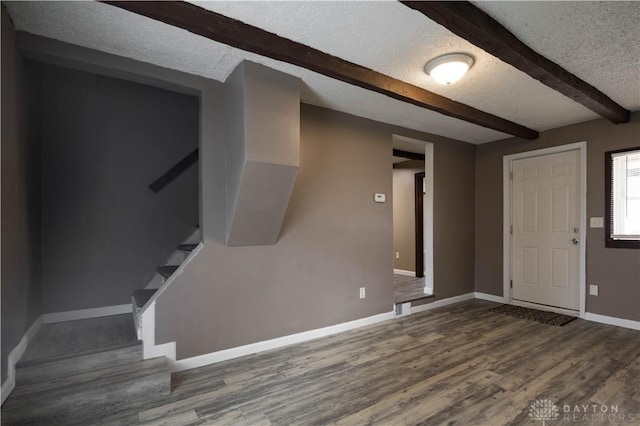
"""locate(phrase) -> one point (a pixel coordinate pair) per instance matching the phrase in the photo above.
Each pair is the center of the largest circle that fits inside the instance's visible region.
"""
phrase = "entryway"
(545, 218)
(413, 221)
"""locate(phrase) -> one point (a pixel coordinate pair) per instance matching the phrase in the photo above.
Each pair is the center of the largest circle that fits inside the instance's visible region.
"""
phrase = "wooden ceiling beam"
(406, 154)
(471, 23)
(256, 40)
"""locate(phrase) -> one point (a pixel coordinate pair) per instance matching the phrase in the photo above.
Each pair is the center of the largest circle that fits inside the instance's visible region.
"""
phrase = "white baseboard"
(443, 302)
(150, 349)
(489, 297)
(224, 355)
(403, 272)
(620, 322)
(104, 311)
(14, 357)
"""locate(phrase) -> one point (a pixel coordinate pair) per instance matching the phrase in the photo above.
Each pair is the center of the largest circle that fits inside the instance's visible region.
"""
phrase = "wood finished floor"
(459, 365)
(408, 289)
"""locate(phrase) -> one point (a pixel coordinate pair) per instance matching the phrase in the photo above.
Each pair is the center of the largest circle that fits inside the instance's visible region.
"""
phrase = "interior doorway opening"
(418, 201)
(412, 221)
(408, 223)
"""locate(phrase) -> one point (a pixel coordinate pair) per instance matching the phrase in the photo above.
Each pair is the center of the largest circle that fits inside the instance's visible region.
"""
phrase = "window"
(622, 169)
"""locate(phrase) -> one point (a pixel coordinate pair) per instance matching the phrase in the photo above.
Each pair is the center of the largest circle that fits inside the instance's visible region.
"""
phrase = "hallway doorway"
(412, 220)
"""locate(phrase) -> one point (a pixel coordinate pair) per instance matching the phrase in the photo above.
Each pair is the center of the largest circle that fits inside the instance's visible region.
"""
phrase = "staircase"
(82, 387)
(163, 273)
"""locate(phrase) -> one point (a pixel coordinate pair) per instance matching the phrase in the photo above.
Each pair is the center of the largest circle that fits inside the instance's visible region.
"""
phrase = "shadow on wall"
(104, 140)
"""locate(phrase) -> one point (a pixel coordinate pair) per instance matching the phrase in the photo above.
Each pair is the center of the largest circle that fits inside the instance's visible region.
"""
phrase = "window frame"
(608, 201)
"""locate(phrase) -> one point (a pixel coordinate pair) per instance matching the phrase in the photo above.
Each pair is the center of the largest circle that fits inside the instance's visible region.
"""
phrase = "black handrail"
(174, 172)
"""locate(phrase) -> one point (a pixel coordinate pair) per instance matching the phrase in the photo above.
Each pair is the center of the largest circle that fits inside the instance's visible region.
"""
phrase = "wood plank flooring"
(457, 365)
(408, 289)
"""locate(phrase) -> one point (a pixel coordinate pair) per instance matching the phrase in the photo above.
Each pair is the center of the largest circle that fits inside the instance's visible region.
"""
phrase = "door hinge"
(511, 284)
(511, 229)
(511, 174)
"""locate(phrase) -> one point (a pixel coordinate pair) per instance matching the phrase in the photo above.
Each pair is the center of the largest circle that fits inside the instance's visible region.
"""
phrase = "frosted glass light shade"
(450, 68)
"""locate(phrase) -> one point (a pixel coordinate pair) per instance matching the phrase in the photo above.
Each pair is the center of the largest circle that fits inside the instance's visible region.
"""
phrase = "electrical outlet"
(593, 290)
(397, 255)
(363, 293)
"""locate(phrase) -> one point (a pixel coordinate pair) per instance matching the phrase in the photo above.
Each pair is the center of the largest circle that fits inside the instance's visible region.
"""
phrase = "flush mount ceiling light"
(447, 69)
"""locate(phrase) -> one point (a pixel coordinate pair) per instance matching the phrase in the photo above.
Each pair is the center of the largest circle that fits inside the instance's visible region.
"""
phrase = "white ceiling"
(603, 47)
(408, 144)
(599, 42)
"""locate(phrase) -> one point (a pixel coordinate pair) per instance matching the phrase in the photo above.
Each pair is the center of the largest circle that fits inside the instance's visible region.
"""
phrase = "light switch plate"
(597, 222)
(379, 198)
(593, 290)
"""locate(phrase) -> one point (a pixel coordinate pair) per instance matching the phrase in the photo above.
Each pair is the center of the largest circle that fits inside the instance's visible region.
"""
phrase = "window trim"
(608, 202)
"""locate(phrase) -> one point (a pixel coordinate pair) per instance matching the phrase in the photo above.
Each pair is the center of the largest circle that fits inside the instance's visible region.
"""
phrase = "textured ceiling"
(387, 37)
(603, 46)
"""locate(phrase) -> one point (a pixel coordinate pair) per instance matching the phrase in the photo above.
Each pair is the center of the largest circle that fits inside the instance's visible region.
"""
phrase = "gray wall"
(20, 229)
(335, 239)
(453, 219)
(262, 132)
(616, 271)
(104, 141)
(404, 220)
(233, 309)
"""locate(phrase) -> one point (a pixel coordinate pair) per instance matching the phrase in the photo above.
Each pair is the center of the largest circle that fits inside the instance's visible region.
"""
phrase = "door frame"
(419, 222)
(507, 161)
(427, 209)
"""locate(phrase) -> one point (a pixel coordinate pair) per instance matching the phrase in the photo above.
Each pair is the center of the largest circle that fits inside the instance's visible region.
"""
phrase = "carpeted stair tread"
(187, 247)
(142, 296)
(167, 271)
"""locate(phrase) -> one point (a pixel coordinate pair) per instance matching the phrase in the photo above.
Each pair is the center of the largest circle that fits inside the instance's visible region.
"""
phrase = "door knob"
(575, 241)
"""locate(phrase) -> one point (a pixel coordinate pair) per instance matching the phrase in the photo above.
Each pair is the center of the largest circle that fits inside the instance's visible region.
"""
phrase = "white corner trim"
(14, 357)
(104, 311)
(441, 303)
(620, 322)
(224, 355)
(489, 297)
(148, 334)
(404, 272)
(428, 215)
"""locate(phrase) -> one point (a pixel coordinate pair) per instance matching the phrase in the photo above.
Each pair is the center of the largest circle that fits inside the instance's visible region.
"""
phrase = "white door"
(545, 249)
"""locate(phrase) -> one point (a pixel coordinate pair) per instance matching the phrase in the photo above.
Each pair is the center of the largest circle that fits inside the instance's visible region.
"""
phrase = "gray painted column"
(212, 160)
(262, 135)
